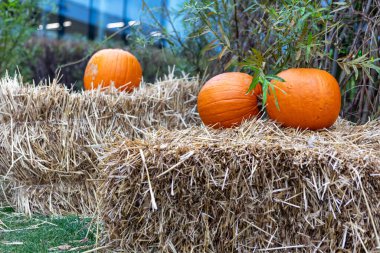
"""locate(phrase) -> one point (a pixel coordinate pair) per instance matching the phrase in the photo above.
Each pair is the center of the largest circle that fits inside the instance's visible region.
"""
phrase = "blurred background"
(40, 39)
(96, 19)
(44, 38)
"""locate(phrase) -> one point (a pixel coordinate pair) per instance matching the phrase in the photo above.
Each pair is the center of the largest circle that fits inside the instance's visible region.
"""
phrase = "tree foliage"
(265, 37)
(18, 21)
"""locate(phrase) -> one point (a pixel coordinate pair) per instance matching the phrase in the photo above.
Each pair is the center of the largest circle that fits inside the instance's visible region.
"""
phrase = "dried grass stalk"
(60, 198)
(5, 192)
(256, 187)
(53, 137)
(250, 189)
(170, 103)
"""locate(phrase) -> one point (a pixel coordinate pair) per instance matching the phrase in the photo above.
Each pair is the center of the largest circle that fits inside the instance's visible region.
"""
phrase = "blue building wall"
(96, 18)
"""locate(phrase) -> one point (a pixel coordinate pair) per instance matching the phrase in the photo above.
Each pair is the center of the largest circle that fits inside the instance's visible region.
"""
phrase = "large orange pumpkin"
(223, 101)
(308, 99)
(113, 66)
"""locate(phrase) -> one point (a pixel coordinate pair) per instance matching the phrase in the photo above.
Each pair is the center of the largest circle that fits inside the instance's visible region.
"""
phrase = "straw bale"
(53, 164)
(5, 192)
(250, 189)
(51, 136)
(5, 163)
(170, 103)
(47, 116)
(48, 129)
(78, 197)
(44, 153)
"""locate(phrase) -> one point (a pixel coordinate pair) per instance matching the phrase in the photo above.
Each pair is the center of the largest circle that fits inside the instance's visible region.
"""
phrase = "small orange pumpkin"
(308, 99)
(223, 101)
(113, 66)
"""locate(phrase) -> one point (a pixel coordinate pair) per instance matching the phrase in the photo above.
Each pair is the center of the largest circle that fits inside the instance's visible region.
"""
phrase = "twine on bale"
(256, 187)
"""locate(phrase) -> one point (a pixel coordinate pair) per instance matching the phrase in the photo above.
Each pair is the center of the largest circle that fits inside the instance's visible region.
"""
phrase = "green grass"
(20, 233)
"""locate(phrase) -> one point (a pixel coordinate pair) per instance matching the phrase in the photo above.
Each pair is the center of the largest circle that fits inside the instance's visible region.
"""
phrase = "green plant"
(18, 21)
(47, 58)
(265, 37)
(44, 57)
(171, 46)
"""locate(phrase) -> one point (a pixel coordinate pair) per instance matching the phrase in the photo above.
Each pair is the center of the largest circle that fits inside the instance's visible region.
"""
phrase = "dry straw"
(51, 138)
(250, 189)
(169, 103)
(76, 197)
(162, 182)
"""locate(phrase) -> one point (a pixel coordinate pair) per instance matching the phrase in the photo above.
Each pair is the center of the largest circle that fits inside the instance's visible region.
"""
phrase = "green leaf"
(265, 90)
(275, 97)
(340, 3)
(373, 66)
(274, 77)
(224, 36)
(223, 52)
(356, 72)
(232, 61)
(259, 57)
(273, 12)
(211, 9)
(302, 19)
(253, 68)
(249, 8)
(254, 83)
(213, 44)
(368, 74)
(308, 48)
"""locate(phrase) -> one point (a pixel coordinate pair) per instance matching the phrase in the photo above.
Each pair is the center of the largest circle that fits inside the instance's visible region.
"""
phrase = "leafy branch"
(265, 81)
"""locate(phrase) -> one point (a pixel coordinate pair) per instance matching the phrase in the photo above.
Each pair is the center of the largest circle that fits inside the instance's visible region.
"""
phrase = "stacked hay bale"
(7, 86)
(51, 138)
(186, 188)
(253, 188)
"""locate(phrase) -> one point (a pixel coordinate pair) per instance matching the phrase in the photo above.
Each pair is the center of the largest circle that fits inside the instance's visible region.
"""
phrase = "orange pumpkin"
(223, 101)
(113, 66)
(308, 99)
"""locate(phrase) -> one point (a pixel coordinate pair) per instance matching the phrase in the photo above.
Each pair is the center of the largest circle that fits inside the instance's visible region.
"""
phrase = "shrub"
(47, 58)
(18, 20)
(269, 36)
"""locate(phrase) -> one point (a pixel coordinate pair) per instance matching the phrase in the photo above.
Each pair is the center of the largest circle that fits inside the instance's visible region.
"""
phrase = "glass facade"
(97, 18)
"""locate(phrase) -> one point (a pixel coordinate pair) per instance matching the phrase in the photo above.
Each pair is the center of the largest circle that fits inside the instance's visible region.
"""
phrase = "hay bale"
(53, 137)
(254, 188)
(60, 198)
(170, 103)
(5, 163)
(8, 86)
(49, 133)
(44, 153)
(5, 192)
(53, 167)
